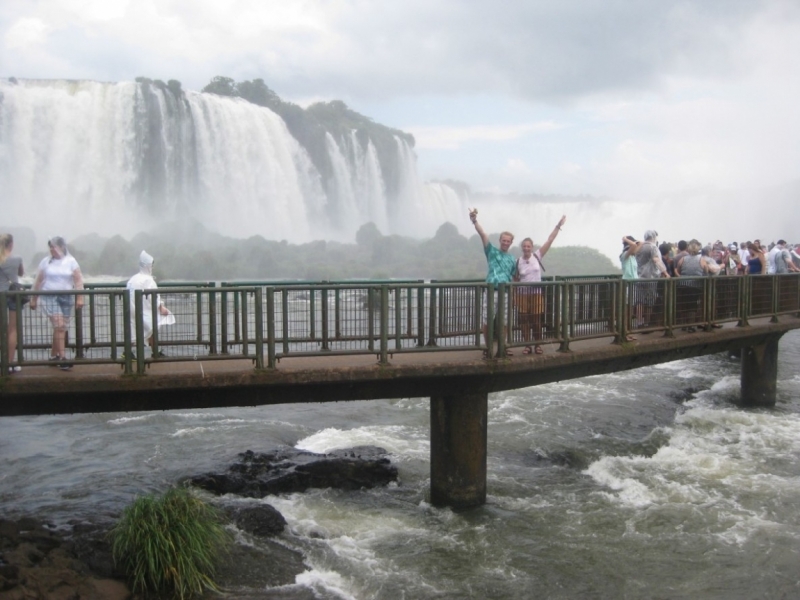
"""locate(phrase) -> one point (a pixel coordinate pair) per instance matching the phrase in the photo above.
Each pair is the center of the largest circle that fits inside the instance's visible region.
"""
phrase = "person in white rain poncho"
(143, 280)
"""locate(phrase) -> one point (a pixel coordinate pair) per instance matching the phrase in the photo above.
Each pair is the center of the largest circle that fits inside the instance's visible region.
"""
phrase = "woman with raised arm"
(529, 300)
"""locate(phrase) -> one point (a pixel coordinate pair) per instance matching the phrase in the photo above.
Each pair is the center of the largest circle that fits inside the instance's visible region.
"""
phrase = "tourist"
(501, 269)
(650, 266)
(529, 300)
(144, 280)
(666, 257)
(711, 265)
(782, 259)
(756, 261)
(744, 256)
(10, 271)
(59, 271)
(732, 264)
(630, 272)
(689, 292)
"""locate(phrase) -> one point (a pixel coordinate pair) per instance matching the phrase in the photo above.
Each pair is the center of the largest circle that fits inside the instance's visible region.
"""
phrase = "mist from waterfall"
(81, 156)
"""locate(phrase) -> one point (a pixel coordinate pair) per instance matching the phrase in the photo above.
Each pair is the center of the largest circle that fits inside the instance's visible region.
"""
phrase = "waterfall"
(81, 156)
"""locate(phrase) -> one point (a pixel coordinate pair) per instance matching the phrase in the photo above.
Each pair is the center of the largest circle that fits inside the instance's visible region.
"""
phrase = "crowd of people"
(60, 272)
(645, 259)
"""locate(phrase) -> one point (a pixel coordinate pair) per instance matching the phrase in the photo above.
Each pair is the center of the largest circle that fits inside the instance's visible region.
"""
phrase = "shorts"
(528, 301)
(485, 304)
(58, 306)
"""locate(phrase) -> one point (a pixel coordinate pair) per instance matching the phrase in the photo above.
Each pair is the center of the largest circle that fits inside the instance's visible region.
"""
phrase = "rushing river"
(643, 484)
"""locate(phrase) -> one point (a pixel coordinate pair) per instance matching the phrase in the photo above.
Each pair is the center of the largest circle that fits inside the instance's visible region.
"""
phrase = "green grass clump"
(168, 544)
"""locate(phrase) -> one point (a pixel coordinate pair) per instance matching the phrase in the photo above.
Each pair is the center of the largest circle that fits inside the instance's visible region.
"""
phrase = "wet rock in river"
(288, 470)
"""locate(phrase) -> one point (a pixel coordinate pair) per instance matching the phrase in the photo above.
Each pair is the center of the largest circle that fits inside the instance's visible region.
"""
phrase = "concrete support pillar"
(458, 450)
(760, 374)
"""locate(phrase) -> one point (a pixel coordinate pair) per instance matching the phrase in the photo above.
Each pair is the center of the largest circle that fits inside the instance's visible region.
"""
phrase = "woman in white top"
(529, 300)
(59, 271)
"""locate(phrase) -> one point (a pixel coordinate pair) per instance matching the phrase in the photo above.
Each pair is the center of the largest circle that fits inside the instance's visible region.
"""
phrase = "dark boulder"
(288, 470)
(262, 521)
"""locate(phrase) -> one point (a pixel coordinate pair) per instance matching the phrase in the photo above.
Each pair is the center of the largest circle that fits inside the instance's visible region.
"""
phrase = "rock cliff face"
(287, 470)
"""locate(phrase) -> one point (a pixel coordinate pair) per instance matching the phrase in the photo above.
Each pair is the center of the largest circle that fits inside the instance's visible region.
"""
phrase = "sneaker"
(65, 367)
(159, 354)
(54, 359)
(133, 356)
(13, 370)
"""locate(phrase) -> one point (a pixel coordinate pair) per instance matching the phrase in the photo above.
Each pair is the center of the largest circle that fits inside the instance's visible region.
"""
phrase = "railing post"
(271, 362)
(78, 329)
(744, 301)
(670, 306)
(138, 312)
(127, 349)
(4, 358)
(243, 316)
(420, 317)
(623, 312)
(501, 320)
(223, 306)
(212, 322)
(477, 301)
(325, 318)
(398, 318)
(153, 299)
(236, 316)
(489, 317)
(432, 299)
(112, 313)
(337, 313)
(312, 314)
(92, 319)
(384, 325)
(285, 319)
(371, 319)
(567, 310)
(259, 325)
(776, 292)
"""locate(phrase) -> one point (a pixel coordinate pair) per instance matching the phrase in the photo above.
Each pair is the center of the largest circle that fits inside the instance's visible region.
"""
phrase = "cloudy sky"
(617, 98)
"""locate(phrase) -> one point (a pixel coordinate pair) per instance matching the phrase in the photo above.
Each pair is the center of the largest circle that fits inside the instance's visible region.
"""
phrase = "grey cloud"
(538, 50)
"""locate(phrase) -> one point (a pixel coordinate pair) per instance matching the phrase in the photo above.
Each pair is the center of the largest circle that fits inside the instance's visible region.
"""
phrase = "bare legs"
(60, 324)
(12, 335)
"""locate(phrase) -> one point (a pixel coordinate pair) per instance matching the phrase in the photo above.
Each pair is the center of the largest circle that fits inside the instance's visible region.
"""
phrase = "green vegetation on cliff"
(447, 255)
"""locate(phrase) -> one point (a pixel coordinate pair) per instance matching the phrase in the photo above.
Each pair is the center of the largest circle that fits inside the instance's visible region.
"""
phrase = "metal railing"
(269, 321)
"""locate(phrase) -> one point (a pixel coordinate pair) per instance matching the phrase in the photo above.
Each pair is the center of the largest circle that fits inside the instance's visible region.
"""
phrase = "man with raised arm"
(501, 268)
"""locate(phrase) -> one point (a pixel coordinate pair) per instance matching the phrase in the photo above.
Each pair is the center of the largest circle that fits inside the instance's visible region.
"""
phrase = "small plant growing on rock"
(168, 544)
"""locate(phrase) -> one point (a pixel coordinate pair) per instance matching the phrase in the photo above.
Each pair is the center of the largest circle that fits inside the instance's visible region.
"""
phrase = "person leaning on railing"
(59, 271)
(10, 271)
(501, 269)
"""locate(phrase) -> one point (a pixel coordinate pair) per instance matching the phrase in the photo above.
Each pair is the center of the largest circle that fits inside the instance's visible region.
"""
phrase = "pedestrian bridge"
(259, 343)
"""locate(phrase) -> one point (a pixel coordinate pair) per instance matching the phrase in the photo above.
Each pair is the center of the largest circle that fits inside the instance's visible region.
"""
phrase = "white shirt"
(57, 273)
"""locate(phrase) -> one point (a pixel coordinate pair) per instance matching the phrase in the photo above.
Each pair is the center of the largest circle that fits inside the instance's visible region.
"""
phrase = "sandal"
(538, 349)
(527, 350)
